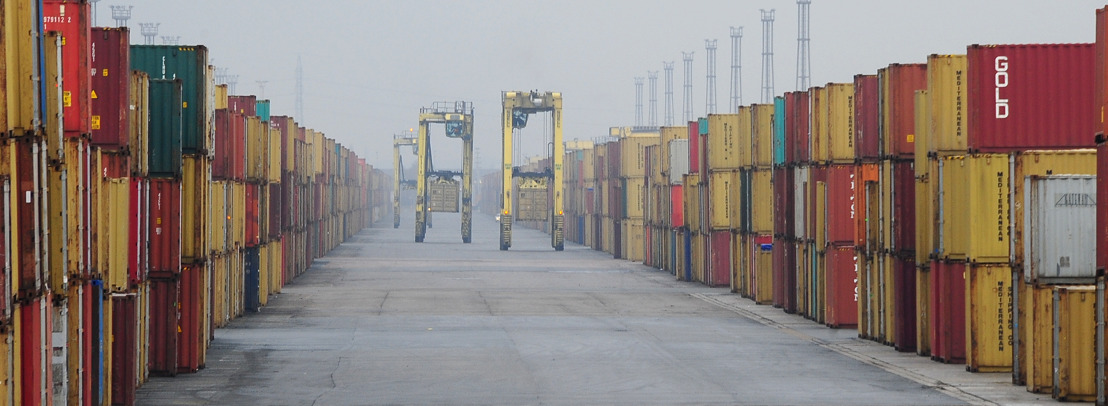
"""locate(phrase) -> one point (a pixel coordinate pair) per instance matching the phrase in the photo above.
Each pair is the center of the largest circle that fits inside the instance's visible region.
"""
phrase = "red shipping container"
(221, 158)
(110, 87)
(124, 350)
(190, 337)
(904, 208)
(1102, 201)
(784, 191)
(867, 117)
(244, 105)
(253, 236)
(163, 326)
(139, 229)
(904, 308)
(35, 346)
(1100, 72)
(677, 206)
(719, 265)
(27, 197)
(71, 19)
(115, 165)
(165, 227)
(694, 147)
(903, 81)
(842, 287)
(948, 311)
(1030, 97)
(842, 210)
(275, 219)
(236, 147)
(796, 130)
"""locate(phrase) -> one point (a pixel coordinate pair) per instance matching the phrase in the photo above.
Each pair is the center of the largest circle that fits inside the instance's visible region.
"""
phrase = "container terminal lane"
(382, 320)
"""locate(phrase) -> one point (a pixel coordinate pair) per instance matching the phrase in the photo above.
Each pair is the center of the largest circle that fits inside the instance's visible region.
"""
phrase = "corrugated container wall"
(899, 99)
(1061, 247)
(947, 90)
(72, 20)
(762, 135)
(111, 87)
(165, 128)
(866, 117)
(245, 105)
(188, 64)
(139, 123)
(796, 135)
(22, 61)
(724, 147)
(1030, 97)
(780, 123)
(840, 122)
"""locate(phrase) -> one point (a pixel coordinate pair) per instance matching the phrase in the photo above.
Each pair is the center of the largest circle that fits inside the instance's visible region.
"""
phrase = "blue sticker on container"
(767, 247)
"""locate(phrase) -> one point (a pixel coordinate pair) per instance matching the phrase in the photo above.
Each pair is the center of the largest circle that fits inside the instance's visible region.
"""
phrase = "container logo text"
(1001, 81)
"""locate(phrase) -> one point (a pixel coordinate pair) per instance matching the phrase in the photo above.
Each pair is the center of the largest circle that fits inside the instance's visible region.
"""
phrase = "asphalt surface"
(383, 320)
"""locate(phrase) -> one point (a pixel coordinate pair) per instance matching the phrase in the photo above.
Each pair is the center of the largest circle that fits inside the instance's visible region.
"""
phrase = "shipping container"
(243, 105)
(195, 204)
(801, 196)
(632, 153)
(948, 311)
(1074, 335)
(165, 226)
(722, 199)
(114, 233)
(1060, 246)
(189, 65)
(841, 287)
(124, 349)
(867, 115)
(1040, 163)
(1030, 97)
(925, 184)
(898, 102)
(840, 122)
(23, 68)
(989, 318)
(974, 208)
(842, 209)
(905, 309)
(761, 124)
(818, 116)
(72, 20)
(903, 210)
(163, 325)
(947, 92)
(110, 87)
(760, 198)
(138, 231)
(719, 263)
(165, 132)
(797, 130)
(781, 125)
(262, 110)
(138, 122)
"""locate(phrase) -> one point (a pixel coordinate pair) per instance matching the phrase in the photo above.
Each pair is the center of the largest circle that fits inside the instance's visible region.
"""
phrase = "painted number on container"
(1001, 81)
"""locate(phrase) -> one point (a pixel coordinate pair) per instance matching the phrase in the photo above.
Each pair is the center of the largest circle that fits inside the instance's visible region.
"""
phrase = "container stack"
(670, 157)
(722, 147)
(632, 143)
(790, 140)
(107, 171)
(575, 189)
(696, 214)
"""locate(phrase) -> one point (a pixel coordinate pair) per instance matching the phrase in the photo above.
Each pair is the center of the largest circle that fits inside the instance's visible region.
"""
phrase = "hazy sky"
(370, 65)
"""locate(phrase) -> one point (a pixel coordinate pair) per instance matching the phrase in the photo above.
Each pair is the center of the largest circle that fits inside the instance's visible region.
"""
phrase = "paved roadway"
(383, 321)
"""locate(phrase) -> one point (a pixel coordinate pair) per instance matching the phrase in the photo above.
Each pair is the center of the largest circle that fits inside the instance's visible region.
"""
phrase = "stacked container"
(723, 149)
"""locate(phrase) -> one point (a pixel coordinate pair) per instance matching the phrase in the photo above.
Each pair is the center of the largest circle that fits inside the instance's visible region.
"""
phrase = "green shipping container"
(165, 128)
(189, 64)
(262, 109)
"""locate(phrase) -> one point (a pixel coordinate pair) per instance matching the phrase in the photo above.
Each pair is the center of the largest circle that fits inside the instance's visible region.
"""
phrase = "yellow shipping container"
(115, 234)
(722, 200)
(762, 280)
(53, 128)
(634, 238)
(736, 207)
(96, 210)
(840, 122)
(19, 52)
(946, 88)
(276, 277)
(290, 143)
(633, 154)
(60, 227)
(634, 197)
(818, 142)
(219, 217)
(263, 274)
(761, 217)
(315, 140)
(989, 318)
(762, 135)
(257, 149)
(724, 143)
(1042, 163)
(974, 207)
(220, 96)
(195, 206)
(1075, 357)
(273, 171)
(1036, 337)
(139, 123)
(925, 193)
(923, 311)
(746, 136)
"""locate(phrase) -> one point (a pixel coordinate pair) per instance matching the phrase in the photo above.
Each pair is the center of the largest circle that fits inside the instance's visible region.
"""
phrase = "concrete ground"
(385, 321)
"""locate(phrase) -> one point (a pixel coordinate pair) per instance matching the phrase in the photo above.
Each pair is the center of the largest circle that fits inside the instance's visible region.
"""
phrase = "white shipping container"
(1060, 219)
(800, 185)
(678, 160)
